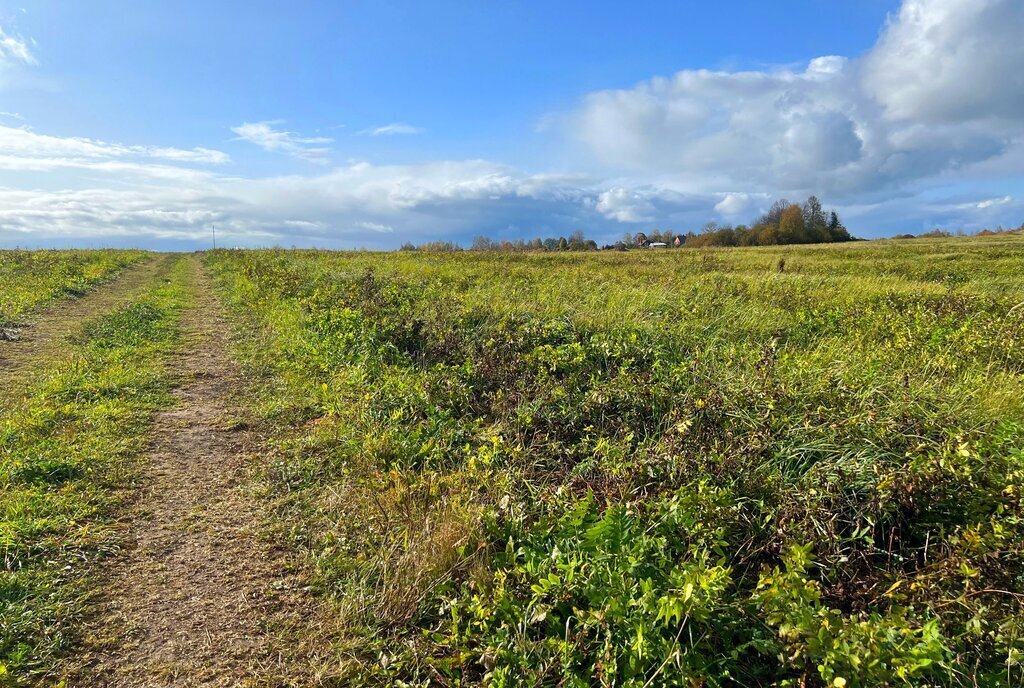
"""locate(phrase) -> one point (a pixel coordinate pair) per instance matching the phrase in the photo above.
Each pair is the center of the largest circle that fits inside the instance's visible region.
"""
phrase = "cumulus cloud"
(737, 204)
(652, 203)
(940, 91)
(950, 61)
(393, 129)
(263, 134)
(625, 205)
(755, 128)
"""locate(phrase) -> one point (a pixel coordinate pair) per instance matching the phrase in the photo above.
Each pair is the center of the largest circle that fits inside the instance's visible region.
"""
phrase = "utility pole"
(214, 237)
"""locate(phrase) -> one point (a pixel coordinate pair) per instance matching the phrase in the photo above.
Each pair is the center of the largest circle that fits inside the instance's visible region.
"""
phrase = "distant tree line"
(944, 234)
(576, 241)
(431, 246)
(784, 223)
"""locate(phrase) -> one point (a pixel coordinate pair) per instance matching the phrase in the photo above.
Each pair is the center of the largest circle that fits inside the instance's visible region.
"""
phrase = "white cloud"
(199, 155)
(264, 135)
(950, 61)
(992, 202)
(393, 129)
(375, 227)
(625, 205)
(304, 224)
(745, 127)
(90, 213)
(14, 49)
(736, 204)
(939, 93)
(139, 170)
(21, 142)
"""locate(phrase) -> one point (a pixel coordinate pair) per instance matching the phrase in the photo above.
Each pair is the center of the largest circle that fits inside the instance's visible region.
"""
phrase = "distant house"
(679, 240)
(657, 244)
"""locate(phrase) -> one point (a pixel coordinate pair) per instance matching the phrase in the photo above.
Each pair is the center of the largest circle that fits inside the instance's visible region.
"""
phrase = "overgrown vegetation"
(67, 448)
(792, 466)
(29, 279)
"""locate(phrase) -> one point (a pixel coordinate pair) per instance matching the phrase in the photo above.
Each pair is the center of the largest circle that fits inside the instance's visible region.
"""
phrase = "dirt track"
(195, 597)
(48, 330)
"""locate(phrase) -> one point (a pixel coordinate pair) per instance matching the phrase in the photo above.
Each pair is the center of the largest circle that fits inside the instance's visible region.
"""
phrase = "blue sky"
(350, 124)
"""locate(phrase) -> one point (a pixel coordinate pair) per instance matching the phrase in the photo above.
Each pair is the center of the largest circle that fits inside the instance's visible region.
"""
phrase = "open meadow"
(790, 465)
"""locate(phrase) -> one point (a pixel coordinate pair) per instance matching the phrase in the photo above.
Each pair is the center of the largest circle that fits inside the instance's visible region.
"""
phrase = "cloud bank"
(358, 205)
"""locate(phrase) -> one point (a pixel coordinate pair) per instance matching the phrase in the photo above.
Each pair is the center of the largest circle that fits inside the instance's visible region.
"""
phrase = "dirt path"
(194, 599)
(49, 329)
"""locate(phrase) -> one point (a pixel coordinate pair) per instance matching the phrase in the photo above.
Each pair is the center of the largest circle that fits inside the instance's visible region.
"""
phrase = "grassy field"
(30, 279)
(789, 466)
(68, 447)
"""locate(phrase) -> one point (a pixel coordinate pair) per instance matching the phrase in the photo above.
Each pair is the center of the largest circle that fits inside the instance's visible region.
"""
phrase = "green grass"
(30, 279)
(679, 469)
(68, 463)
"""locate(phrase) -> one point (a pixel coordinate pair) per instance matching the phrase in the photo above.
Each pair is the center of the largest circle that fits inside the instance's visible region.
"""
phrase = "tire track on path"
(197, 596)
(46, 335)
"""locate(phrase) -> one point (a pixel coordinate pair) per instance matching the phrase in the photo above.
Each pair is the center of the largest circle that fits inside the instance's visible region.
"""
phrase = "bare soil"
(197, 598)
